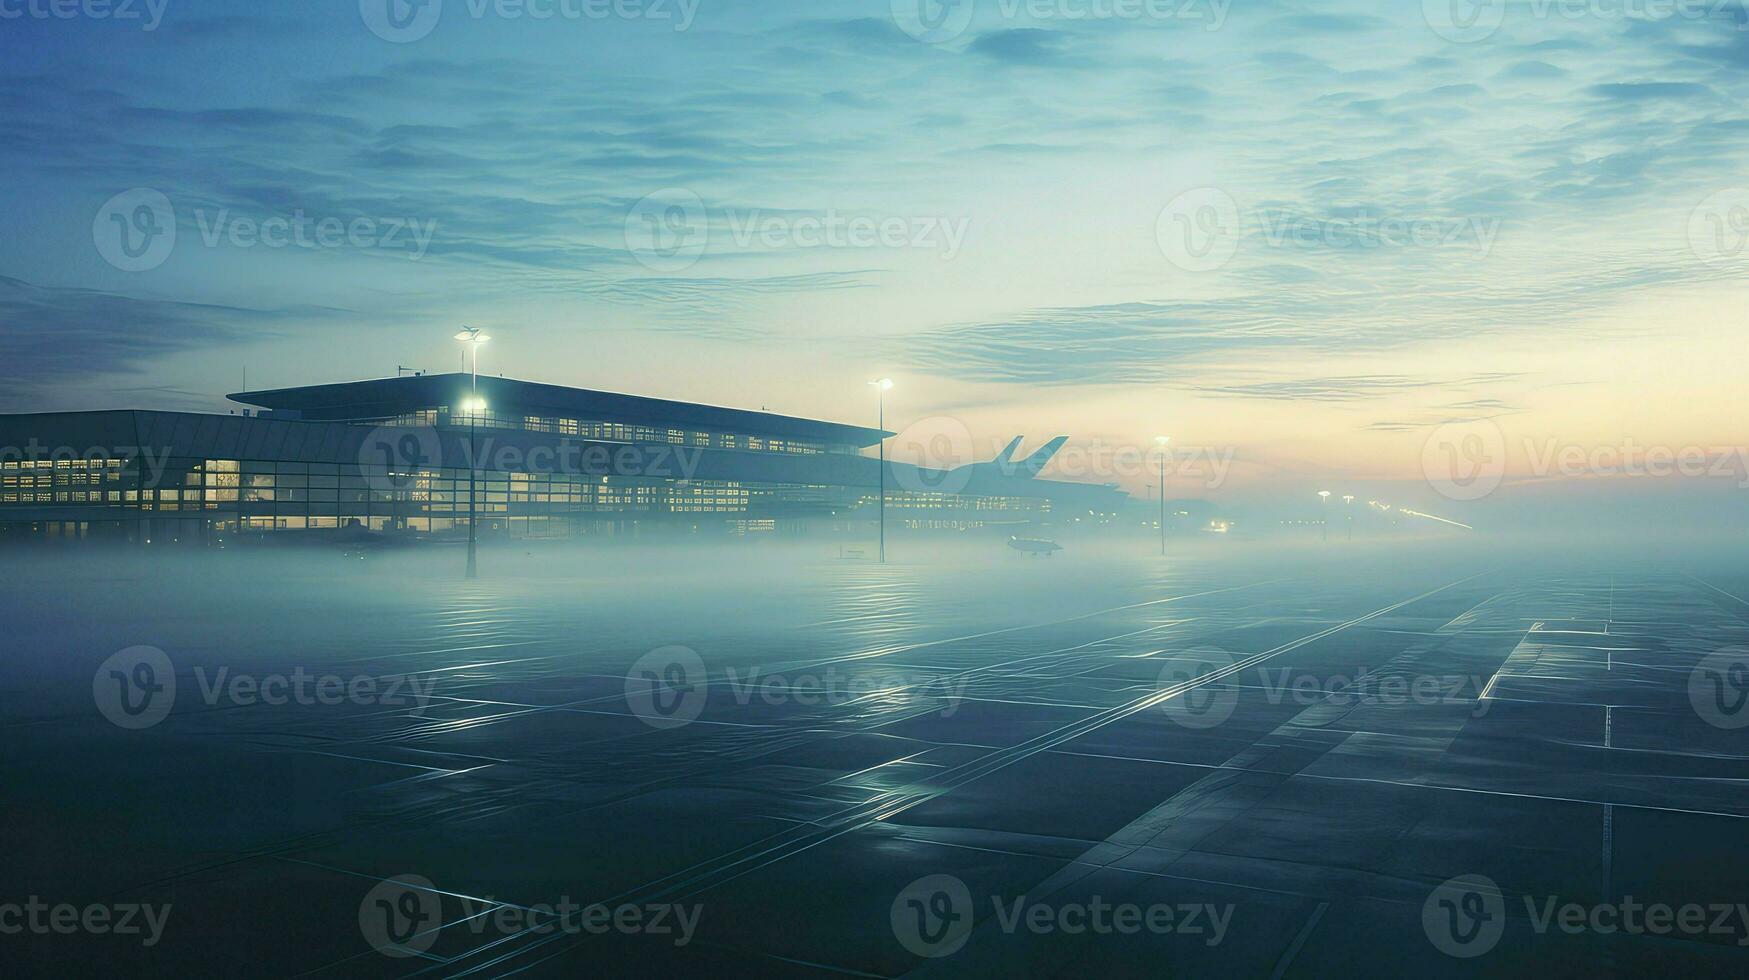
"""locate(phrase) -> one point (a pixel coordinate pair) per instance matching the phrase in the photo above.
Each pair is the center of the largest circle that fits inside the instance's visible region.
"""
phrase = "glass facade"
(626, 432)
(257, 495)
(182, 475)
(68, 481)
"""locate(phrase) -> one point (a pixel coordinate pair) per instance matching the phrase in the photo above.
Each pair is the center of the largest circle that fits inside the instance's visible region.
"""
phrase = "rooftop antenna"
(399, 371)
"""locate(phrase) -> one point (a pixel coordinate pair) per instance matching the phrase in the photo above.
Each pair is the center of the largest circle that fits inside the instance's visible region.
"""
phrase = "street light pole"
(881, 387)
(1162, 441)
(473, 338)
(1324, 513)
(474, 468)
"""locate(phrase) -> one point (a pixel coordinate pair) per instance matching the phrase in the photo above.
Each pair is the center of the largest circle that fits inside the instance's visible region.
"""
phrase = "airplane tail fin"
(1037, 461)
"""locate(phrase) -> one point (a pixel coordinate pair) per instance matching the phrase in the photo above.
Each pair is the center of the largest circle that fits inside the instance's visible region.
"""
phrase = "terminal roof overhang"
(389, 397)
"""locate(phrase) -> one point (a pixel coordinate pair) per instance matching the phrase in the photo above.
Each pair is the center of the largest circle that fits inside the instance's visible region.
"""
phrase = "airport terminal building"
(398, 456)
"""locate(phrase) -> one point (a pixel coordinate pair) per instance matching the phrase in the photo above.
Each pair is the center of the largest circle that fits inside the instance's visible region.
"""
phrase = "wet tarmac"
(1377, 762)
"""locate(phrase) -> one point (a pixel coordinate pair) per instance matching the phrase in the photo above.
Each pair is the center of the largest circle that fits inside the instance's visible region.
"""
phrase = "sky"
(1319, 244)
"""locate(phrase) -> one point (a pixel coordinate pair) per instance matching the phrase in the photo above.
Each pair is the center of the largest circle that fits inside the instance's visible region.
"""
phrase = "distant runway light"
(1416, 513)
